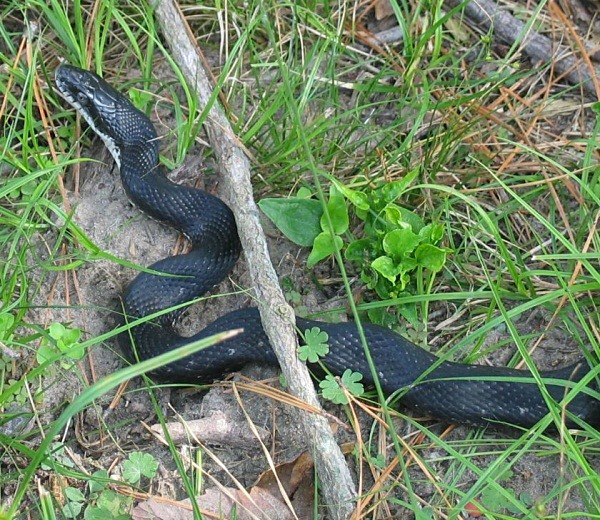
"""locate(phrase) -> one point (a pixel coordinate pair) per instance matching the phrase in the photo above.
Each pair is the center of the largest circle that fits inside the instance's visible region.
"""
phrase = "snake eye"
(82, 98)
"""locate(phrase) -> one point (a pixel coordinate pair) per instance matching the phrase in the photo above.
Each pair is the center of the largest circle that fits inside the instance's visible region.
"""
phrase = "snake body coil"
(442, 389)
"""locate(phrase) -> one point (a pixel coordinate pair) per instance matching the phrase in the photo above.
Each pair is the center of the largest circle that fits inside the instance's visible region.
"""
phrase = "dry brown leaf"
(296, 478)
(291, 474)
(159, 510)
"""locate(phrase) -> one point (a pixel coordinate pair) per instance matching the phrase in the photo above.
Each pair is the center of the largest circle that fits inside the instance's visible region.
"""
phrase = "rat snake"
(442, 389)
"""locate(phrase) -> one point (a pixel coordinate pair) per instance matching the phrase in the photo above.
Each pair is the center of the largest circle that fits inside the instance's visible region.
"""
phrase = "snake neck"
(203, 218)
(138, 160)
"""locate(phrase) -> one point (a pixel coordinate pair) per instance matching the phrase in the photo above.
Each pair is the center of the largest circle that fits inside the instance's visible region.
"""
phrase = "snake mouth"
(69, 82)
(93, 97)
(75, 88)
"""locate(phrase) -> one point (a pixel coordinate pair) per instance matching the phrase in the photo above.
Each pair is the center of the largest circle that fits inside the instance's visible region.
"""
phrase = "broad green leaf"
(358, 251)
(97, 481)
(44, 353)
(56, 330)
(139, 464)
(140, 98)
(351, 382)
(109, 500)
(323, 246)
(393, 216)
(297, 218)
(97, 513)
(392, 190)
(74, 352)
(432, 233)
(315, 335)
(332, 390)
(382, 316)
(357, 198)
(362, 214)
(72, 509)
(338, 213)
(74, 494)
(303, 193)
(412, 219)
(70, 336)
(399, 242)
(496, 500)
(401, 282)
(409, 312)
(6, 324)
(316, 345)
(386, 267)
(431, 257)
(437, 233)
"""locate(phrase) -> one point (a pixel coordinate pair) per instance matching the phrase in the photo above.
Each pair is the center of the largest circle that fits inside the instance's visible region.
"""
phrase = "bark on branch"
(488, 16)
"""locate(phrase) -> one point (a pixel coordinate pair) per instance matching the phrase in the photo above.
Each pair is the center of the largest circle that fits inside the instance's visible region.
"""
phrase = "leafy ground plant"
(394, 242)
(100, 501)
(61, 340)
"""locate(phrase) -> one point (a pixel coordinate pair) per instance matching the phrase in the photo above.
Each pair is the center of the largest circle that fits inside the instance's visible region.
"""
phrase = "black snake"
(449, 391)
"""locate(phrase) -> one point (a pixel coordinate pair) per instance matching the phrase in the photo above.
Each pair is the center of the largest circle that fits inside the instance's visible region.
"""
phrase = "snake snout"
(69, 83)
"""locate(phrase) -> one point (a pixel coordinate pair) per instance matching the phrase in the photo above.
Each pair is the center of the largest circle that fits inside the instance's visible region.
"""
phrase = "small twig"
(277, 316)
(507, 28)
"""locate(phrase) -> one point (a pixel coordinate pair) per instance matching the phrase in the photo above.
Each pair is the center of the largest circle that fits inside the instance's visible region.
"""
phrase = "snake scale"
(445, 390)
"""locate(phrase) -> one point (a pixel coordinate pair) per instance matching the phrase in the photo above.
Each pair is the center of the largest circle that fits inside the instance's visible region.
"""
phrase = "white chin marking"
(108, 142)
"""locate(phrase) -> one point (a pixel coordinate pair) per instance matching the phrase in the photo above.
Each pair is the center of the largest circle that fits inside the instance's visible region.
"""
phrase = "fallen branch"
(217, 428)
(277, 316)
(489, 17)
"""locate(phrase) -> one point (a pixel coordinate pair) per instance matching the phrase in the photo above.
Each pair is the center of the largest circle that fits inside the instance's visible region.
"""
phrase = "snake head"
(93, 98)
(110, 114)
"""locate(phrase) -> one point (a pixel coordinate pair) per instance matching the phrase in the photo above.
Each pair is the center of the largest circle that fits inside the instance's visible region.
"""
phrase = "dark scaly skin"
(450, 391)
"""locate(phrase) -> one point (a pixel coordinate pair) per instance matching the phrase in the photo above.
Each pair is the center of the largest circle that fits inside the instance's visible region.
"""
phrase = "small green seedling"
(313, 350)
(103, 503)
(502, 500)
(75, 500)
(7, 322)
(315, 346)
(139, 465)
(333, 391)
(61, 340)
(23, 192)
